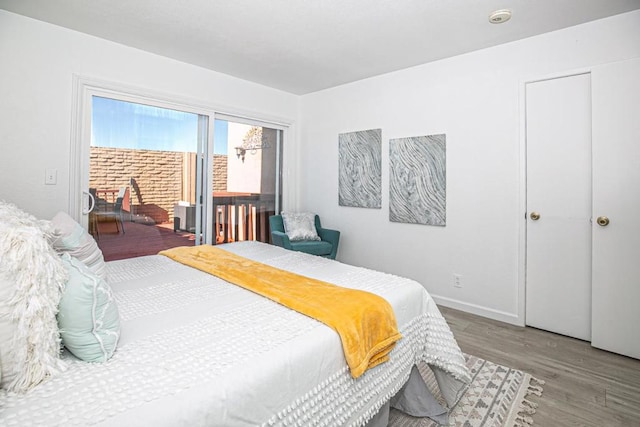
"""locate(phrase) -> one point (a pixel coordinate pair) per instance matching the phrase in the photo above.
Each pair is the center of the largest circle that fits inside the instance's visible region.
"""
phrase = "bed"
(195, 350)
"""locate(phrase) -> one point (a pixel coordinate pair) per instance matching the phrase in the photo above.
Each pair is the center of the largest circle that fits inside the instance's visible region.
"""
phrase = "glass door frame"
(84, 89)
(81, 206)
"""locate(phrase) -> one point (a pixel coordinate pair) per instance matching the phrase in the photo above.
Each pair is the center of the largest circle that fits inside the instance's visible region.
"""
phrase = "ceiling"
(302, 46)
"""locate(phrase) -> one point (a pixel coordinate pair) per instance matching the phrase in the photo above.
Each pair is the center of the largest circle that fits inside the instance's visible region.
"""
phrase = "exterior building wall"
(157, 179)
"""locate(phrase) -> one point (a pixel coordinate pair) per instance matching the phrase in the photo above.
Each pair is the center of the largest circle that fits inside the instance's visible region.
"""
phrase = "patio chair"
(99, 204)
(326, 247)
(115, 211)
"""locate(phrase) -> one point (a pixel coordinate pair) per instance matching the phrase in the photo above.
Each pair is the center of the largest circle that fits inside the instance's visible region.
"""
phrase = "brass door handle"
(534, 216)
(602, 221)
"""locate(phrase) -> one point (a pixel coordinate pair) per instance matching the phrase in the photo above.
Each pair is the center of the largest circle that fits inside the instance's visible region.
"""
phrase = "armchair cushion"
(300, 226)
(312, 247)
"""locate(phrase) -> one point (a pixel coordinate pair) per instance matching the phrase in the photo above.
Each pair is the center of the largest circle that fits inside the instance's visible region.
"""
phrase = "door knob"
(534, 216)
(602, 221)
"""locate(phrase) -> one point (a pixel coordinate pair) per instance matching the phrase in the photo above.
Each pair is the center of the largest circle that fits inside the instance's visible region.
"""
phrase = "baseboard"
(479, 310)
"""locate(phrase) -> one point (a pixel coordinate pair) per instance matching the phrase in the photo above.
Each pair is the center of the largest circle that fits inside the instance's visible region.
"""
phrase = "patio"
(238, 217)
(138, 239)
(153, 191)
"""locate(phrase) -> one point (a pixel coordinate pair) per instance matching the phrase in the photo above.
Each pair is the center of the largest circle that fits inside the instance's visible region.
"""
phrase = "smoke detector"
(500, 16)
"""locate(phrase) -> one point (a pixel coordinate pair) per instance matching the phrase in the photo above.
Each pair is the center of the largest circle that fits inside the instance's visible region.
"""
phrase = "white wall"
(38, 62)
(475, 100)
(243, 176)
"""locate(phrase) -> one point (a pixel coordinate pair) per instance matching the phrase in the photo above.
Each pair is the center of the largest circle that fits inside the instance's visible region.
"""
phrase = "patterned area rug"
(497, 396)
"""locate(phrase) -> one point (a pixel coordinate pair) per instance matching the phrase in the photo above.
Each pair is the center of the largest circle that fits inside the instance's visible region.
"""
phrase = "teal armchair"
(326, 247)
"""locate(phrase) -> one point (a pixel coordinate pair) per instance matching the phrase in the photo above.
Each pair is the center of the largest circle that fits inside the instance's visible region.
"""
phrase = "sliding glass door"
(247, 179)
(145, 176)
(153, 172)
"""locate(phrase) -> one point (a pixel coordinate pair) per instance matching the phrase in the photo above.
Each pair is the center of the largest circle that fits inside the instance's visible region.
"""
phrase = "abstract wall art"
(417, 184)
(360, 169)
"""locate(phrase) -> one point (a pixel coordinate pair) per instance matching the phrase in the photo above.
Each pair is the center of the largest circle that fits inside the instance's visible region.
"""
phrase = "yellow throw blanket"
(365, 322)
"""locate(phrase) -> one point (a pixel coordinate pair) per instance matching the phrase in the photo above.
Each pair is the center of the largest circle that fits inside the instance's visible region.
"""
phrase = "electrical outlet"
(457, 280)
(51, 176)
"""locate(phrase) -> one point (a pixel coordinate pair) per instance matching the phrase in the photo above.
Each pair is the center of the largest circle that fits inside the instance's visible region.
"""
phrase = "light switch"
(51, 176)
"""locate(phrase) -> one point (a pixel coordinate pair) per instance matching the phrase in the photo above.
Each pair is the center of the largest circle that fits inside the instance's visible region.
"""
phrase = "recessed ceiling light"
(500, 16)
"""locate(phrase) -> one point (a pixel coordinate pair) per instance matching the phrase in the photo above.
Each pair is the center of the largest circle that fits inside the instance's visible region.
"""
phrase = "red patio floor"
(138, 240)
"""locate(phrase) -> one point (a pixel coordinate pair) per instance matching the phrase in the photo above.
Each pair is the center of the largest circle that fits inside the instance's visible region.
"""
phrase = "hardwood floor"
(584, 386)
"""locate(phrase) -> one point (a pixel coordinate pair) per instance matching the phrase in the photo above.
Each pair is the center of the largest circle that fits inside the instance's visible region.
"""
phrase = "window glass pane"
(246, 180)
(143, 176)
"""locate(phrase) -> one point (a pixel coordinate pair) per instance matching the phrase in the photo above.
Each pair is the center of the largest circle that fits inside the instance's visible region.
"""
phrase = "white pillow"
(69, 236)
(88, 318)
(300, 226)
(31, 280)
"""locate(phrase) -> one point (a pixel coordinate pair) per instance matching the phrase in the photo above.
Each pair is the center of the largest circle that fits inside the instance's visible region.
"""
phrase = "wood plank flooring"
(584, 386)
(138, 240)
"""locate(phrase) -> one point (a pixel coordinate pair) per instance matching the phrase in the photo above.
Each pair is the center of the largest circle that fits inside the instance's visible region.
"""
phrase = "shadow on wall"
(151, 211)
(157, 213)
(136, 189)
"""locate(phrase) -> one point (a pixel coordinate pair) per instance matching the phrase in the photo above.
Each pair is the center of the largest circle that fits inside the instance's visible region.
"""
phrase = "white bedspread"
(196, 350)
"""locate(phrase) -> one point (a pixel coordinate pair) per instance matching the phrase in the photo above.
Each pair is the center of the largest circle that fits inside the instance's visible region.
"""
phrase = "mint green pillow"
(88, 316)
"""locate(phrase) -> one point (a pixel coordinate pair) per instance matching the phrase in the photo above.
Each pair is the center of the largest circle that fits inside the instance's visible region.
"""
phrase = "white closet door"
(616, 185)
(558, 278)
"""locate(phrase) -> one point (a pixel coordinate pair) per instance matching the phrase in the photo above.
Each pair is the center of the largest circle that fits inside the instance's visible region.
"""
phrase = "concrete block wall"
(219, 172)
(156, 177)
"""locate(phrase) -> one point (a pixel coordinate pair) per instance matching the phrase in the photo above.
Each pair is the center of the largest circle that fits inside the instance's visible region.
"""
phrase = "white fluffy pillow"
(31, 280)
(300, 226)
(70, 237)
